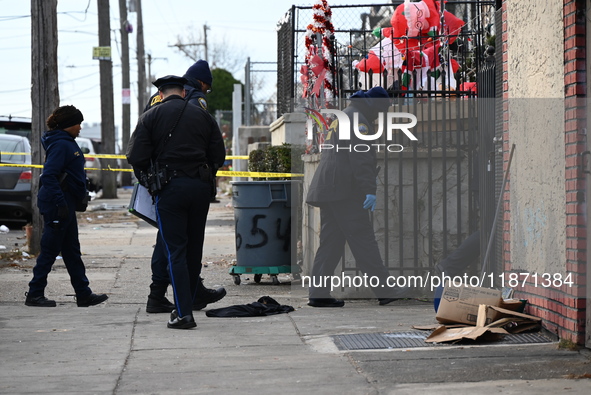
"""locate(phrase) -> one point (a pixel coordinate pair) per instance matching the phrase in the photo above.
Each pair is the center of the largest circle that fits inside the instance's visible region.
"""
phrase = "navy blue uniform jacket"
(62, 154)
(195, 141)
(344, 174)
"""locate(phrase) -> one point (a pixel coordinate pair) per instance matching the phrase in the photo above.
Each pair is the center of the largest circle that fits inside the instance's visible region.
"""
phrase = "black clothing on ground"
(262, 307)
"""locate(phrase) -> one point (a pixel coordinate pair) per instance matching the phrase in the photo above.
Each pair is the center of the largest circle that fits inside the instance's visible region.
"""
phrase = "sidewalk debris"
(511, 322)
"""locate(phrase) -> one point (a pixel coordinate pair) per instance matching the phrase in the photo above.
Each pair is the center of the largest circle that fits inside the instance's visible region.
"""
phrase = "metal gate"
(431, 191)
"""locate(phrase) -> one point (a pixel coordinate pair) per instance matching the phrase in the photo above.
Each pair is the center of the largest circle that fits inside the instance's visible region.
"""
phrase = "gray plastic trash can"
(262, 214)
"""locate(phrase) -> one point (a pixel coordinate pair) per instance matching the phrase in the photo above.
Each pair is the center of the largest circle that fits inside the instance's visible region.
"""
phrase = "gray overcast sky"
(247, 25)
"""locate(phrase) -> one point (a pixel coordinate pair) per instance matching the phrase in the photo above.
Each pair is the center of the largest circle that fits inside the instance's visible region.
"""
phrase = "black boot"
(157, 302)
(205, 296)
(176, 322)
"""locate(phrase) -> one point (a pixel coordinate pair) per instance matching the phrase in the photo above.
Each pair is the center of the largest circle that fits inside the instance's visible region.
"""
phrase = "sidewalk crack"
(131, 344)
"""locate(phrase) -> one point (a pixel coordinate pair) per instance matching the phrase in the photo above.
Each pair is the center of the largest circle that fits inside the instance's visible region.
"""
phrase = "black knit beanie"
(200, 71)
(63, 117)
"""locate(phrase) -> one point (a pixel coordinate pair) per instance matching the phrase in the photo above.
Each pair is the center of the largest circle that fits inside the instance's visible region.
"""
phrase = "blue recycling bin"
(264, 228)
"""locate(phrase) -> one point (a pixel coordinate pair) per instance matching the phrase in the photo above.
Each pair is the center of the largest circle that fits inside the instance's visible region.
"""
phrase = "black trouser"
(159, 264)
(457, 262)
(181, 208)
(56, 238)
(346, 221)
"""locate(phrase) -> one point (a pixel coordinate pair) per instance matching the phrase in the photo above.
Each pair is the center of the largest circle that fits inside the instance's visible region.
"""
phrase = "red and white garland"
(318, 71)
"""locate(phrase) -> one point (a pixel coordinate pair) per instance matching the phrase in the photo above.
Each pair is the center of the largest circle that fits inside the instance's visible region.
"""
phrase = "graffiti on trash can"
(258, 231)
(286, 236)
(261, 236)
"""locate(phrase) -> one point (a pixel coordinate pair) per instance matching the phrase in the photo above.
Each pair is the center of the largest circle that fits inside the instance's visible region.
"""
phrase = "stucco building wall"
(535, 71)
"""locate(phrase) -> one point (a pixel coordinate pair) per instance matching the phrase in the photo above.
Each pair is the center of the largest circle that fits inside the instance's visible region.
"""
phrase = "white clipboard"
(142, 205)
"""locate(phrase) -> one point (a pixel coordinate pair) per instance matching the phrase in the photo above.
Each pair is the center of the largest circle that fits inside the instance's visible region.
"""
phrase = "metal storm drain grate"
(412, 339)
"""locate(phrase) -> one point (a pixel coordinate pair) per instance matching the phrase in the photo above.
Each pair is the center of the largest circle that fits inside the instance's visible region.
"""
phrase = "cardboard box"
(513, 322)
(477, 332)
(460, 304)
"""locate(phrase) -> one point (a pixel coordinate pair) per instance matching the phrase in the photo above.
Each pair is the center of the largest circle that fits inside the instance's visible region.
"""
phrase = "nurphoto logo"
(360, 130)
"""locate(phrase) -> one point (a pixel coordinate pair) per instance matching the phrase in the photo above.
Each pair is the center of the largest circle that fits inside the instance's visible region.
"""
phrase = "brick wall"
(562, 307)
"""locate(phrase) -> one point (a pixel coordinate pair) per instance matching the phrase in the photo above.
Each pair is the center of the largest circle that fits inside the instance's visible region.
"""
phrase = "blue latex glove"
(370, 202)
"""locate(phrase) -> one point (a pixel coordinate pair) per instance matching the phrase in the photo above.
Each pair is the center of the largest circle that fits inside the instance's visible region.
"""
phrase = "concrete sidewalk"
(117, 348)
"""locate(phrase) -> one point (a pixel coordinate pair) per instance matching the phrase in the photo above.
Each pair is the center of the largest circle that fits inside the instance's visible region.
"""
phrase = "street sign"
(101, 53)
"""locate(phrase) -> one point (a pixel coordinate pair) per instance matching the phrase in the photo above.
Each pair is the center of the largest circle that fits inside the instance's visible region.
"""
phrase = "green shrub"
(276, 159)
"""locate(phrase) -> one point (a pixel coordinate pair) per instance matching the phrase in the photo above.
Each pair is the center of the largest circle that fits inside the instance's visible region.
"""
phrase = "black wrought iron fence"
(430, 189)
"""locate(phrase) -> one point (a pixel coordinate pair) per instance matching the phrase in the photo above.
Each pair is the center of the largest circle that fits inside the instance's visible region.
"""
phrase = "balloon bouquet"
(411, 50)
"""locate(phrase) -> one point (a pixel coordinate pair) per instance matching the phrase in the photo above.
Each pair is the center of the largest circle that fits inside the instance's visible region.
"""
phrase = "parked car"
(19, 126)
(15, 182)
(90, 147)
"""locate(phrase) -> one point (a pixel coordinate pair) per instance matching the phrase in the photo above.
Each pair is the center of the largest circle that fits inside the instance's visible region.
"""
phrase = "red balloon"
(372, 63)
(453, 26)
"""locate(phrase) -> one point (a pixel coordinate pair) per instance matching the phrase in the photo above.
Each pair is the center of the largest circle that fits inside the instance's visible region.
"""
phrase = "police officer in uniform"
(188, 151)
(344, 187)
(199, 81)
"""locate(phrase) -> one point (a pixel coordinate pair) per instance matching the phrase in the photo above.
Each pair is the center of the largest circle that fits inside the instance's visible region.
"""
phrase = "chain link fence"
(260, 101)
(356, 35)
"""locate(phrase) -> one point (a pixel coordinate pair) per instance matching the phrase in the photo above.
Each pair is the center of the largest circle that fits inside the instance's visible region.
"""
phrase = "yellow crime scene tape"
(220, 173)
(109, 156)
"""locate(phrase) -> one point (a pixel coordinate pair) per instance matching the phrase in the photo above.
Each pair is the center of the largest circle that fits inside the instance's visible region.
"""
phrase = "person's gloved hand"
(62, 213)
(370, 202)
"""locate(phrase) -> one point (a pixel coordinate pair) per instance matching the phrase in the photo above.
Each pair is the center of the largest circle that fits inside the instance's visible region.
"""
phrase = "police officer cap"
(169, 80)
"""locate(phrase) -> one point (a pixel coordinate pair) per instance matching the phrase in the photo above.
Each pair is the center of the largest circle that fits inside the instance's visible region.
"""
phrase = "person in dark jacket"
(185, 140)
(199, 81)
(344, 188)
(63, 186)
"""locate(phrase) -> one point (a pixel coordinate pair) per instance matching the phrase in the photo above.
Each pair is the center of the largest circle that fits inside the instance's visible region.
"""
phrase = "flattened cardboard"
(512, 313)
(480, 332)
(443, 334)
(460, 304)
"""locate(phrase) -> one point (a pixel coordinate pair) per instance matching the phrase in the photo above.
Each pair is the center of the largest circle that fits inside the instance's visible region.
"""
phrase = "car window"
(15, 147)
(86, 145)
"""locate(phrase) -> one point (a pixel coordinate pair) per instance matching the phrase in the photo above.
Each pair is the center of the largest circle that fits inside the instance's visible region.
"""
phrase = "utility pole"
(45, 95)
(125, 91)
(141, 60)
(181, 47)
(205, 29)
(150, 76)
(107, 106)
